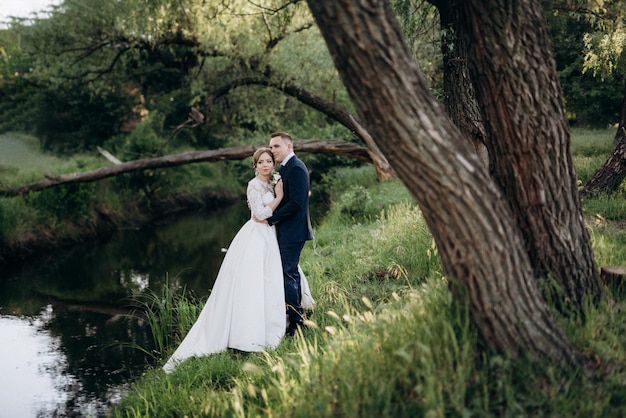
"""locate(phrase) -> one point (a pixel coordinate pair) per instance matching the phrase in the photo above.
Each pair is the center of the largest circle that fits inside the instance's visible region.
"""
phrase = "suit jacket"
(291, 217)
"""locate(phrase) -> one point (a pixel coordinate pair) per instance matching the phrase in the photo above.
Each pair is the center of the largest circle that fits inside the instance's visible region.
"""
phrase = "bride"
(246, 308)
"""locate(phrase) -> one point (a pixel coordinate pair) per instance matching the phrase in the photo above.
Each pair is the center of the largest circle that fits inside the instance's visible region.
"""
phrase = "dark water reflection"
(67, 340)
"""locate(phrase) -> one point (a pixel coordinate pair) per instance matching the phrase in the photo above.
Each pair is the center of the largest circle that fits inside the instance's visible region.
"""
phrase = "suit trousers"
(290, 254)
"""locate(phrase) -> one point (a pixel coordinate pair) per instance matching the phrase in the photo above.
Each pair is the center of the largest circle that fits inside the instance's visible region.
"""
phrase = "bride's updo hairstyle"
(257, 154)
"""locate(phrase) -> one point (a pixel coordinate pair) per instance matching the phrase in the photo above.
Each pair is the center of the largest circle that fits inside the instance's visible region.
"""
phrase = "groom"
(293, 225)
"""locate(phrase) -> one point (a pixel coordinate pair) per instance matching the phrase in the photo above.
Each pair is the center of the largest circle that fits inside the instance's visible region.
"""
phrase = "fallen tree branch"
(336, 147)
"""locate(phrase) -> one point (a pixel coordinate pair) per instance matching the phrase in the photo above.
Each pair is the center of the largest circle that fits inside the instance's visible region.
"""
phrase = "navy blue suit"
(293, 229)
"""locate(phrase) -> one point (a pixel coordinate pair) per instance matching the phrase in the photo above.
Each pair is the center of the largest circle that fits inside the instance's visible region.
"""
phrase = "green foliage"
(87, 71)
(17, 101)
(377, 259)
(21, 162)
(607, 207)
(590, 101)
(605, 42)
(16, 88)
(606, 217)
(385, 338)
(199, 388)
(357, 190)
(356, 203)
(147, 140)
(16, 217)
(73, 200)
(72, 117)
(420, 24)
(144, 142)
(99, 65)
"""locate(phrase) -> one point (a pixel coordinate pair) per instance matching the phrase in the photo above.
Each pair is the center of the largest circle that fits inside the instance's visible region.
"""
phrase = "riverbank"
(385, 338)
(106, 220)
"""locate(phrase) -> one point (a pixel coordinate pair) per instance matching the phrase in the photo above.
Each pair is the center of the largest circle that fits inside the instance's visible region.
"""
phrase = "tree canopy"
(89, 70)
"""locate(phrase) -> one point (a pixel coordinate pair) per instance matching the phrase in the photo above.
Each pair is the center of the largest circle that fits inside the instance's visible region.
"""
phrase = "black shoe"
(293, 328)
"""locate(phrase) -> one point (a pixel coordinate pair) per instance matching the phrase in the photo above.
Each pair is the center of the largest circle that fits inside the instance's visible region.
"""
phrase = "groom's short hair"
(284, 135)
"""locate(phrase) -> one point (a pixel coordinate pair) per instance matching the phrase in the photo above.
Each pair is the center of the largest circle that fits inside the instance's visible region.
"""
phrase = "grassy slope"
(385, 338)
(22, 162)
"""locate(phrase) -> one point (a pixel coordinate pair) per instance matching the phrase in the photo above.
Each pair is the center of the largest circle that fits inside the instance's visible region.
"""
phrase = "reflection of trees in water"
(186, 250)
(100, 354)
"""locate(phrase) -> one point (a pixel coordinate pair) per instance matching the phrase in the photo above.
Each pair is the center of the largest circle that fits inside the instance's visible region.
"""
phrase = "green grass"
(590, 149)
(605, 214)
(21, 161)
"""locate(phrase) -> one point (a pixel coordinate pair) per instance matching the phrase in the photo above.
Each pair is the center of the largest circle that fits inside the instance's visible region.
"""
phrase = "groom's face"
(280, 148)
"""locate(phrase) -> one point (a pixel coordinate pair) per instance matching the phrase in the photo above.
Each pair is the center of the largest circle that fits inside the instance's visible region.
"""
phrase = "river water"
(68, 345)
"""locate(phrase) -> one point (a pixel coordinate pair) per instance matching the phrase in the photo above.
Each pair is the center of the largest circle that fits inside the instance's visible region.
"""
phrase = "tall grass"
(402, 358)
(169, 314)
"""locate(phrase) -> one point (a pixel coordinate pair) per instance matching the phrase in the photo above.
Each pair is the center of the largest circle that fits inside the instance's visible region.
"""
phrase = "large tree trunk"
(467, 214)
(343, 148)
(517, 86)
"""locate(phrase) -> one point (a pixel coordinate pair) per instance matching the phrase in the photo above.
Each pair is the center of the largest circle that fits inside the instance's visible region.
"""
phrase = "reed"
(168, 313)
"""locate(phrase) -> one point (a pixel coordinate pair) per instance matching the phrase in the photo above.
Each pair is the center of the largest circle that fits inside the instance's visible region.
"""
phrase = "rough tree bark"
(514, 74)
(342, 148)
(608, 178)
(465, 210)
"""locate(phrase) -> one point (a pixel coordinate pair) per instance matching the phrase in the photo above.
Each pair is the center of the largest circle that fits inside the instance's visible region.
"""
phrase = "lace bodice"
(259, 195)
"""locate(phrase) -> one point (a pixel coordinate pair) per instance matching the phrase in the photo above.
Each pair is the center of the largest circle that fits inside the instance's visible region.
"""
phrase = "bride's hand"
(278, 189)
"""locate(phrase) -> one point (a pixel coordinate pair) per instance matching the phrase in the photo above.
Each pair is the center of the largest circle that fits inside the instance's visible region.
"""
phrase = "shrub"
(73, 200)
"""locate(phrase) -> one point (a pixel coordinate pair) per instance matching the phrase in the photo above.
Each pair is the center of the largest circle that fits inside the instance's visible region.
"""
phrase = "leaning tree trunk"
(468, 216)
(608, 177)
(517, 87)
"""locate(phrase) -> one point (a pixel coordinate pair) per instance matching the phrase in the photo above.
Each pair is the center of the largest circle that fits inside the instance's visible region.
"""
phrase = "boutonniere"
(275, 177)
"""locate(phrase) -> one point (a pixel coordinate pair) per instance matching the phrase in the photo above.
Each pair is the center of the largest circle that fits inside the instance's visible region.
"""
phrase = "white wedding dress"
(246, 307)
